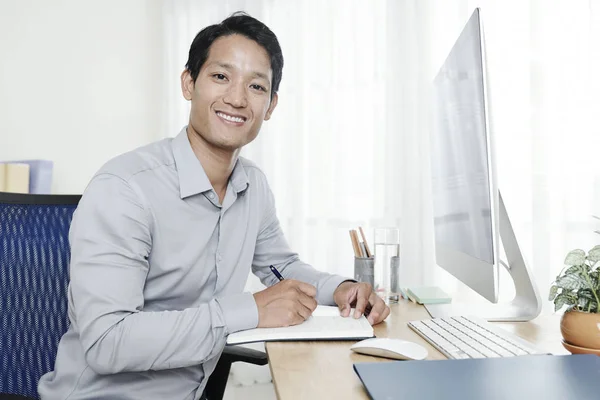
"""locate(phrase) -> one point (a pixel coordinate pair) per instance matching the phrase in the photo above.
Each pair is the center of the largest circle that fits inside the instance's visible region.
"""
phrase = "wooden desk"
(323, 370)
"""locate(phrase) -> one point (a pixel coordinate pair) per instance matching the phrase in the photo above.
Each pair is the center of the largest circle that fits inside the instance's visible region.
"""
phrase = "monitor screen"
(460, 162)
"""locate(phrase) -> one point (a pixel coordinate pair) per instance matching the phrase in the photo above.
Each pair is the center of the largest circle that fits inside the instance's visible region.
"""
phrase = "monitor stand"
(526, 304)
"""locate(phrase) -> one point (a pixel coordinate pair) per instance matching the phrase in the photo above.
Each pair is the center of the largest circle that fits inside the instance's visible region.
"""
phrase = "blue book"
(546, 377)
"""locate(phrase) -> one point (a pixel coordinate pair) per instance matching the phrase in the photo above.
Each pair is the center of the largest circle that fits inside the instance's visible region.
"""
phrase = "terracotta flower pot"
(581, 329)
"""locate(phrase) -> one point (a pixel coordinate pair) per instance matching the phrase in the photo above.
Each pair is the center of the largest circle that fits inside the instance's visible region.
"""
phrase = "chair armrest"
(215, 387)
(244, 354)
(6, 396)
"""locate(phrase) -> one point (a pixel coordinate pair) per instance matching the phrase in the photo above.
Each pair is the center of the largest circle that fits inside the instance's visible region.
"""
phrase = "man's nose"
(236, 96)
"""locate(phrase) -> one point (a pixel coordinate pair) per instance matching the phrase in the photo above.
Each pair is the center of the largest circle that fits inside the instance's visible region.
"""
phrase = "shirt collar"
(192, 178)
(239, 178)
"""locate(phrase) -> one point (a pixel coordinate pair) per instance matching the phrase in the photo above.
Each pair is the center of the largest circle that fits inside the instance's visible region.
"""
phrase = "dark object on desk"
(34, 275)
(525, 377)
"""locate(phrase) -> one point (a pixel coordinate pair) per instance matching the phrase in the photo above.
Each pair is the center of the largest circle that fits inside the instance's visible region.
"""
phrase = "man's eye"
(258, 87)
(219, 76)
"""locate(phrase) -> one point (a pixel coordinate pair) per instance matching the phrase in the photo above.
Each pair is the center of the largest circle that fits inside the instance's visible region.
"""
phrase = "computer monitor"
(470, 220)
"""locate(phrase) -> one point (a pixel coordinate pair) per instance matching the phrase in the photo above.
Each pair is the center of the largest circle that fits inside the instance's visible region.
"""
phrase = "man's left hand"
(361, 296)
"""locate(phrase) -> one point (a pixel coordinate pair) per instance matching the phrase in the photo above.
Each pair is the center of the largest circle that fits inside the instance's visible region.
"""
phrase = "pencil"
(355, 235)
(354, 244)
(367, 250)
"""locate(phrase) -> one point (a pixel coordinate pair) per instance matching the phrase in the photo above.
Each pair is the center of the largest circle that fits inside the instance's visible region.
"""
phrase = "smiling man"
(165, 236)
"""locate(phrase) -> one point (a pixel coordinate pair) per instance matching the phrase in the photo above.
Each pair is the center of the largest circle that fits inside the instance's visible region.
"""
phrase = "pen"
(277, 274)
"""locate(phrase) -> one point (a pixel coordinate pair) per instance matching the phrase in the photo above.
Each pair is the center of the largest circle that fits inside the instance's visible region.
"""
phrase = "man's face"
(232, 94)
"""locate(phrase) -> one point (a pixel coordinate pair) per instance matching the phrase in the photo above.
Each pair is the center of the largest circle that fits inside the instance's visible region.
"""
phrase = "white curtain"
(543, 63)
(348, 142)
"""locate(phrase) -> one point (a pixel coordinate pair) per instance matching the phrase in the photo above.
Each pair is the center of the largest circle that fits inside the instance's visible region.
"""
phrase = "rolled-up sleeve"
(111, 240)
(272, 249)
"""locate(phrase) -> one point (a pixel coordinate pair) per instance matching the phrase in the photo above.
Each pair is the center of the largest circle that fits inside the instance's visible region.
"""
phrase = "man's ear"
(271, 107)
(187, 84)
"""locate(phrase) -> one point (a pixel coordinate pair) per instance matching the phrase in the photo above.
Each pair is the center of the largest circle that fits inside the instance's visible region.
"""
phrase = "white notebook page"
(325, 323)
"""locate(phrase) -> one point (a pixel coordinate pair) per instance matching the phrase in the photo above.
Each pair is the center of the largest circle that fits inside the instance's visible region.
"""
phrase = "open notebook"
(326, 323)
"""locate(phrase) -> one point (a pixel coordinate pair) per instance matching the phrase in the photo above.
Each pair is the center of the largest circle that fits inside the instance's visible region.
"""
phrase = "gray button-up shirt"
(158, 269)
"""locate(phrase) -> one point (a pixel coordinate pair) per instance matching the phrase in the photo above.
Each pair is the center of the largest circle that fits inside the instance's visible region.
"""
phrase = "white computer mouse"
(390, 348)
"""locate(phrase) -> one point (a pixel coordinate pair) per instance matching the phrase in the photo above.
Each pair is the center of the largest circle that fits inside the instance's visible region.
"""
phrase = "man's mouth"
(234, 119)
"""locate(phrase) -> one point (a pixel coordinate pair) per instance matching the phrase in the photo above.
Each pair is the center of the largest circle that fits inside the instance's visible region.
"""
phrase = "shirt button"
(211, 195)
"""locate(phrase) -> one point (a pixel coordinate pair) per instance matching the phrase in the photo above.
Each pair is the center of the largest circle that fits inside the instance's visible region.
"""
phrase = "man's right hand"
(286, 303)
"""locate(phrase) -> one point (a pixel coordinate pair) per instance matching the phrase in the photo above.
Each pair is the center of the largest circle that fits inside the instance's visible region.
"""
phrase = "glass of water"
(387, 249)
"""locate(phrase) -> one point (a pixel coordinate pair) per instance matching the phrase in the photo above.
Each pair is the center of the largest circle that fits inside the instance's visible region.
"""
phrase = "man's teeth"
(230, 118)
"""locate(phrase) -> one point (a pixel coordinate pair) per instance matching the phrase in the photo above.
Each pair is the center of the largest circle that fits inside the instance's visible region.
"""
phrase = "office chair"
(34, 276)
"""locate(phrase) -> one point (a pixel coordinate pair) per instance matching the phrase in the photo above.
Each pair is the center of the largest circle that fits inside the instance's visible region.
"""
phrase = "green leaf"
(575, 257)
(585, 294)
(571, 282)
(553, 291)
(559, 302)
(595, 278)
(594, 254)
(572, 270)
(564, 299)
(583, 303)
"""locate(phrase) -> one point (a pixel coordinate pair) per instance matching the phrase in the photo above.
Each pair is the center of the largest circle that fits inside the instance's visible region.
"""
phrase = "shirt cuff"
(240, 312)
(326, 289)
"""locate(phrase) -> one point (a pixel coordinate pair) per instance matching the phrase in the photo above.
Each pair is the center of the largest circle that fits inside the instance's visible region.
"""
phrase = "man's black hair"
(242, 24)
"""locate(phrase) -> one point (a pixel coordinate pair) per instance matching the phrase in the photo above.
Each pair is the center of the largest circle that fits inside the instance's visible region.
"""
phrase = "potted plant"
(578, 288)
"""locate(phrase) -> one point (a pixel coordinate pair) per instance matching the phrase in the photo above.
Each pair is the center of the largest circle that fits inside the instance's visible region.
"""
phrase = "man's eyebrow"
(223, 65)
(230, 67)
(260, 75)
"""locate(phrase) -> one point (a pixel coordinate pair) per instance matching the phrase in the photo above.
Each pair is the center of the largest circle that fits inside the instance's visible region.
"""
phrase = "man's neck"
(217, 163)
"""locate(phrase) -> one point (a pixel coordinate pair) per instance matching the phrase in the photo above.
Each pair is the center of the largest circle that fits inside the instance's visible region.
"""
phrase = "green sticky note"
(429, 295)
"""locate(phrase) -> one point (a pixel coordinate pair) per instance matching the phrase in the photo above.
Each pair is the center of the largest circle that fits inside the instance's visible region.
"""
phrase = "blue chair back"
(34, 275)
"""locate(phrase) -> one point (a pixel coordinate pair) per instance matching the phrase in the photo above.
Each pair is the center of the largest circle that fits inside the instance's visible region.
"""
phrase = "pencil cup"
(363, 269)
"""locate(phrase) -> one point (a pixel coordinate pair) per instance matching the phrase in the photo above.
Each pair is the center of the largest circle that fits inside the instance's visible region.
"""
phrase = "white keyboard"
(470, 337)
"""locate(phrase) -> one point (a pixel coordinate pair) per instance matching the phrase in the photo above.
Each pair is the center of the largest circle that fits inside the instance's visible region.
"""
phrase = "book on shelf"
(38, 180)
(15, 177)
(2, 177)
(40, 175)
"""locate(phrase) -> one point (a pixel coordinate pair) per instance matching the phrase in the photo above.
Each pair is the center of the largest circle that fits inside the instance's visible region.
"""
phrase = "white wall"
(80, 82)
